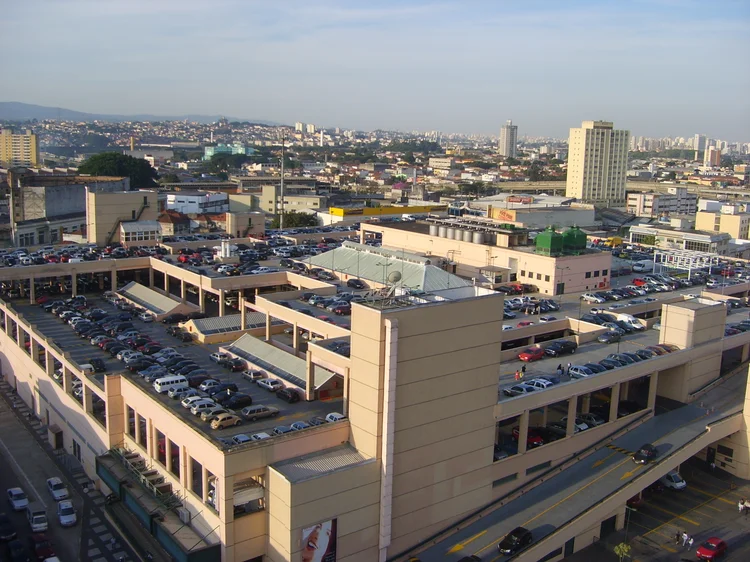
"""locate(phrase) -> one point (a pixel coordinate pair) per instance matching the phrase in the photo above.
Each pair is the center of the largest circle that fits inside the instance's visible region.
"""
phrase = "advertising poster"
(319, 542)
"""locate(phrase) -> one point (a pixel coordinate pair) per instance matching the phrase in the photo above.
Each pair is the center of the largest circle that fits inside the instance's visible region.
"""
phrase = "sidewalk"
(98, 528)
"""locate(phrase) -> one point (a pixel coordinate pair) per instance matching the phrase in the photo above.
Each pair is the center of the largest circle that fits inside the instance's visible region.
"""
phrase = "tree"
(169, 178)
(139, 171)
(293, 219)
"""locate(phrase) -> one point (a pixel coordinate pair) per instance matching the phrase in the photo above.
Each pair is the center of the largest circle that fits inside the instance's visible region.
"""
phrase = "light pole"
(281, 188)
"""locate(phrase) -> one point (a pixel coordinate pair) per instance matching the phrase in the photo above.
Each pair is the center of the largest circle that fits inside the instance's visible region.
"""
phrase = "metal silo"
(468, 235)
(478, 238)
(433, 230)
(442, 232)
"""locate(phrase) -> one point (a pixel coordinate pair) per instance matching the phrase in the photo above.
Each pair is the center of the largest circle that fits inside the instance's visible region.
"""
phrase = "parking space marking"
(715, 496)
(676, 515)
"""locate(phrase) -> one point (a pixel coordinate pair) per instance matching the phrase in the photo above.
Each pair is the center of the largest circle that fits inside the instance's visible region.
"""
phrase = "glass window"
(196, 477)
(131, 422)
(161, 452)
(523, 273)
(596, 273)
(546, 277)
(174, 450)
(588, 275)
(605, 272)
(142, 431)
(539, 276)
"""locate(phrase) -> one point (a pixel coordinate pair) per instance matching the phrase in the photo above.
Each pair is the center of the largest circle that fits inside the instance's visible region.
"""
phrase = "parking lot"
(81, 351)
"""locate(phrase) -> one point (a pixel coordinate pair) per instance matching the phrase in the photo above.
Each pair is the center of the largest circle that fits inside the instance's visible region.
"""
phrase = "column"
(624, 390)
(572, 406)
(183, 290)
(34, 351)
(185, 475)
(138, 430)
(295, 338)
(347, 374)
(268, 327)
(100, 276)
(243, 311)
(32, 291)
(653, 383)
(166, 282)
(204, 483)
(202, 299)
(361, 236)
(113, 276)
(151, 439)
(586, 405)
(523, 432)
(745, 352)
(74, 284)
(545, 411)
(87, 401)
(222, 304)
(150, 278)
(67, 380)
(614, 401)
(310, 387)
(168, 455)
(50, 360)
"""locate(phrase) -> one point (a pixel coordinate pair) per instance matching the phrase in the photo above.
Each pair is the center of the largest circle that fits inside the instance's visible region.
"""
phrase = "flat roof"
(320, 463)
(232, 323)
(148, 298)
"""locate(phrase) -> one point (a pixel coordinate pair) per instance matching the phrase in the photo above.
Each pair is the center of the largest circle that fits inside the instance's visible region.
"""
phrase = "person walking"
(741, 505)
(690, 543)
(523, 371)
(677, 537)
(518, 374)
(684, 538)
(559, 370)
(569, 366)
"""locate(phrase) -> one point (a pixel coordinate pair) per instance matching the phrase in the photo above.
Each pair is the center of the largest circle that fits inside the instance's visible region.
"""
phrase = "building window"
(726, 451)
(174, 450)
(588, 275)
(161, 449)
(131, 422)
(142, 431)
(196, 477)
(546, 278)
(596, 273)
(538, 276)
(523, 273)
(530, 275)
(504, 480)
(604, 272)
(538, 467)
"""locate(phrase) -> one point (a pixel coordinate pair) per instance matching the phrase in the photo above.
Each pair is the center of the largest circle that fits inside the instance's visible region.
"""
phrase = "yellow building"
(730, 220)
(19, 149)
(597, 163)
(105, 211)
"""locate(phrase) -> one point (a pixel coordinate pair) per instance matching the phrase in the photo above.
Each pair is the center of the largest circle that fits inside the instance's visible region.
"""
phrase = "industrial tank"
(574, 240)
(467, 235)
(478, 238)
(458, 234)
(549, 243)
(433, 230)
(450, 233)
(442, 232)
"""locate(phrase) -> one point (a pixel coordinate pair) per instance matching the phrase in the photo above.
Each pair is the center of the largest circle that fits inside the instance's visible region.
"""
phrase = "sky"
(654, 67)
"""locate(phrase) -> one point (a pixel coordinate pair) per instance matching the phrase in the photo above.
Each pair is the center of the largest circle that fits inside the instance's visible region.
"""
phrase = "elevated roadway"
(562, 504)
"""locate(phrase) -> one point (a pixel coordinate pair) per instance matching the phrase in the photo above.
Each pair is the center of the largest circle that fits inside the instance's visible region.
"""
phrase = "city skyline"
(406, 66)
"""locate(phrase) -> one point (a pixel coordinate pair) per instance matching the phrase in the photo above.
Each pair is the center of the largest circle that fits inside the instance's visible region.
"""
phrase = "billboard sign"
(319, 542)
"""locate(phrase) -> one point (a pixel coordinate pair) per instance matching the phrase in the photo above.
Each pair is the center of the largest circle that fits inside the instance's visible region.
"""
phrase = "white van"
(87, 368)
(644, 265)
(75, 260)
(37, 517)
(631, 321)
(165, 384)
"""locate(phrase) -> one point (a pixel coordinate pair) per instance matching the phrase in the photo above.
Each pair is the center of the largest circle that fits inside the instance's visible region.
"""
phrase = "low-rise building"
(731, 219)
(673, 201)
(670, 237)
(107, 211)
(198, 202)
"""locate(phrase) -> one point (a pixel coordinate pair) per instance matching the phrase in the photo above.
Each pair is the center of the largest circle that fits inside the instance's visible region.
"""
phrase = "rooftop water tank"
(549, 242)
(467, 235)
(442, 232)
(433, 230)
(478, 238)
(574, 240)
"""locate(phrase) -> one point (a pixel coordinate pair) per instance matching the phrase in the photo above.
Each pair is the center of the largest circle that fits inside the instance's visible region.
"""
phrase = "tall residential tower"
(18, 149)
(597, 163)
(508, 138)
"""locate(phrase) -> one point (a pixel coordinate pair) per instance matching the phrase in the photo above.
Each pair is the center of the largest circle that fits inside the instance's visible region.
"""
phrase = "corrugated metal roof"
(231, 322)
(376, 264)
(320, 463)
(148, 298)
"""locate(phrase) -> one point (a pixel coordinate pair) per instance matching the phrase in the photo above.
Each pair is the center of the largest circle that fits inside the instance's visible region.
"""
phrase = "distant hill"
(17, 111)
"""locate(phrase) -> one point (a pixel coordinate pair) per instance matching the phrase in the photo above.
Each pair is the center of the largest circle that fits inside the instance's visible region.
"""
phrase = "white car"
(201, 406)
(17, 499)
(591, 297)
(507, 327)
(617, 306)
(190, 400)
(262, 436)
(57, 489)
(207, 385)
(66, 513)
(334, 417)
(579, 424)
(673, 480)
(540, 384)
(272, 385)
(99, 339)
(216, 357)
(636, 289)
(146, 317)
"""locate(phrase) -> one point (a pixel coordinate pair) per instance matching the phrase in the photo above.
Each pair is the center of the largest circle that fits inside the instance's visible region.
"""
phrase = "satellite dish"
(394, 277)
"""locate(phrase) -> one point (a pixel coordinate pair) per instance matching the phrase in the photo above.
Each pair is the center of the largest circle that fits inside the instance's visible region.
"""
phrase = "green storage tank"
(574, 240)
(549, 243)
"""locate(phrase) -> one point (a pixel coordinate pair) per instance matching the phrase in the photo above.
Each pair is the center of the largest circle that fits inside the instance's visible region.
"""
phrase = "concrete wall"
(104, 210)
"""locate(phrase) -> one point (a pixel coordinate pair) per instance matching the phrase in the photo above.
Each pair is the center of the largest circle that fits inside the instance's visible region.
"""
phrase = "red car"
(533, 439)
(524, 324)
(636, 501)
(531, 354)
(712, 549)
(638, 282)
(41, 546)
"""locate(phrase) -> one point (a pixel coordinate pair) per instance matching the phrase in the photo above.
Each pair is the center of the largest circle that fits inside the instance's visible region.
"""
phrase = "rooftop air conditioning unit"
(184, 514)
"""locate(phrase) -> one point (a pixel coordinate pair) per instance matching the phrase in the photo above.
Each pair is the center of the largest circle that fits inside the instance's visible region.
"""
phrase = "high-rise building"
(712, 157)
(19, 149)
(597, 163)
(299, 127)
(310, 128)
(508, 138)
(699, 142)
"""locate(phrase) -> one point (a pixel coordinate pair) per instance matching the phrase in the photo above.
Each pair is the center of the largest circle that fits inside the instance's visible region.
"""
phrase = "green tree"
(139, 171)
(169, 178)
(293, 219)
(536, 172)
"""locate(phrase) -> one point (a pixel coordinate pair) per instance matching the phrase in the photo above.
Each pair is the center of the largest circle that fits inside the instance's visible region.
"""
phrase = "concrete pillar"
(113, 276)
(67, 380)
(88, 405)
(34, 351)
(624, 390)
(745, 352)
(653, 383)
(74, 284)
(183, 290)
(150, 278)
(614, 402)
(166, 282)
(50, 360)
(32, 291)
(222, 304)
(151, 439)
(586, 404)
(168, 454)
(268, 327)
(185, 476)
(100, 276)
(138, 430)
(523, 432)
(243, 312)
(545, 411)
(572, 407)
(361, 236)
(310, 390)
(295, 338)
(345, 404)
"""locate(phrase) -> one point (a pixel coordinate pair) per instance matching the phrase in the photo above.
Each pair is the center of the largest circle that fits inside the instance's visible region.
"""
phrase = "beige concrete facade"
(105, 211)
(19, 149)
(420, 391)
(736, 224)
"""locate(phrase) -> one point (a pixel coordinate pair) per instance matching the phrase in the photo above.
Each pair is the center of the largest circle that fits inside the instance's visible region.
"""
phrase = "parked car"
(272, 385)
(225, 420)
(580, 372)
(17, 499)
(609, 337)
(288, 395)
(518, 389)
(57, 489)
(533, 439)
(531, 354)
(673, 480)
(258, 412)
(711, 549)
(560, 347)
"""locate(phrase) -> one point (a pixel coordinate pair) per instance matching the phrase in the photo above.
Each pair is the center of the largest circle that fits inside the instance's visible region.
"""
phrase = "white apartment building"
(198, 202)
(597, 163)
(508, 140)
(673, 201)
(445, 163)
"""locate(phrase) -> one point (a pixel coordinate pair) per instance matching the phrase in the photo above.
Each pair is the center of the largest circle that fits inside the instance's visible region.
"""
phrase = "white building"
(675, 201)
(310, 129)
(597, 163)
(444, 163)
(508, 140)
(299, 127)
(199, 202)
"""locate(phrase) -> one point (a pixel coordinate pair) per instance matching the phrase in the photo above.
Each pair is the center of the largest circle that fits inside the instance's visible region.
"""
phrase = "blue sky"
(656, 67)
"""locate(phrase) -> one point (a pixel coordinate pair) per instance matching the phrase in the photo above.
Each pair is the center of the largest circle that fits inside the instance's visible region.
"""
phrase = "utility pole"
(281, 189)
